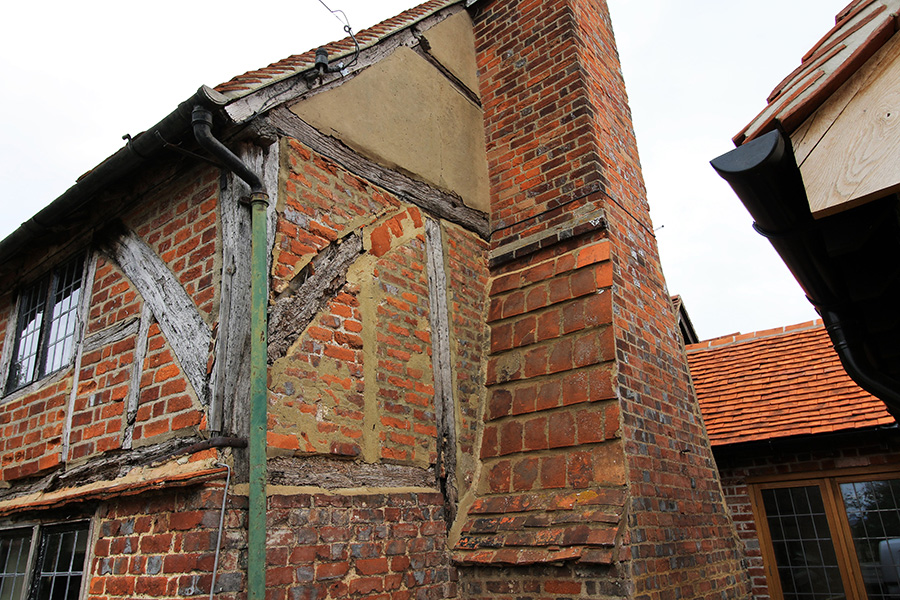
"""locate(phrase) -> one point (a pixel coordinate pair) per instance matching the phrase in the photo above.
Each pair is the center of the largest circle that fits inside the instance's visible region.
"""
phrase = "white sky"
(76, 76)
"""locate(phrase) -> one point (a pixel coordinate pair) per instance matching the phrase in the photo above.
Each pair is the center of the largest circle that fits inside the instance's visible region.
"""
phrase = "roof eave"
(765, 176)
(125, 161)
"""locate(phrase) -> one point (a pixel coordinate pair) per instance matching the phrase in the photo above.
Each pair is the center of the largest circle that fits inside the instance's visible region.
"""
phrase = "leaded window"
(831, 538)
(43, 562)
(46, 325)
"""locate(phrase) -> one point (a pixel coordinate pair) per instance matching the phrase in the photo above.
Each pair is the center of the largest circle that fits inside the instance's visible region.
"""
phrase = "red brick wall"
(163, 545)
(318, 546)
(317, 395)
(181, 224)
(809, 457)
(534, 386)
(114, 299)
(321, 202)
(467, 283)
(404, 380)
(32, 427)
(546, 583)
(166, 403)
(540, 141)
(587, 383)
(358, 382)
(389, 546)
(97, 422)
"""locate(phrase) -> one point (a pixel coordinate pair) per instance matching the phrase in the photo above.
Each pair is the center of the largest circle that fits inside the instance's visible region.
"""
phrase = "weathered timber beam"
(176, 313)
(134, 389)
(293, 312)
(442, 366)
(331, 473)
(106, 467)
(436, 202)
(117, 332)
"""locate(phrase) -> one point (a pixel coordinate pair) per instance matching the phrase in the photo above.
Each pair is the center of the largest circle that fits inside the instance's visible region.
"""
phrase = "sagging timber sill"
(107, 467)
(309, 292)
(331, 473)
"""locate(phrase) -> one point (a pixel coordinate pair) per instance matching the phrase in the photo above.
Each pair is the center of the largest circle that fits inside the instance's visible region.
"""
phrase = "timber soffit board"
(860, 30)
(251, 81)
(778, 383)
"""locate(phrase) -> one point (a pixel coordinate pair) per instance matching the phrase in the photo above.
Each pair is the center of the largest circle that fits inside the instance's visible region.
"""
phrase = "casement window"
(43, 562)
(46, 324)
(831, 537)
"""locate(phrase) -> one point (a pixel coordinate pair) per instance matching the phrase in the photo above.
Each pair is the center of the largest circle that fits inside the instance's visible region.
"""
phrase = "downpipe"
(201, 121)
(764, 175)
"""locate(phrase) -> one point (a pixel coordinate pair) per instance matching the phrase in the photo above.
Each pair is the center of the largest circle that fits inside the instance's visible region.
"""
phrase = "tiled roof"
(860, 30)
(253, 80)
(778, 383)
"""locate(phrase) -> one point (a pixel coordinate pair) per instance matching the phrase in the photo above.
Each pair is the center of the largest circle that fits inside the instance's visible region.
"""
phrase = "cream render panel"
(452, 43)
(405, 114)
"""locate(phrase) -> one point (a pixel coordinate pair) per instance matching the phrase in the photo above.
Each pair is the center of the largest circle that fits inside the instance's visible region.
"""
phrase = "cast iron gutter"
(123, 162)
(764, 175)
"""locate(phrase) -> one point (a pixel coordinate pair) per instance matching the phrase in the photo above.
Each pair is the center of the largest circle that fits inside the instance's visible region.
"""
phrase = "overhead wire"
(343, 20)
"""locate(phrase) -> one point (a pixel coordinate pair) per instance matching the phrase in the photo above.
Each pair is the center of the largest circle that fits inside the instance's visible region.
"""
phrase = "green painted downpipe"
(201, 120)
(256, 565)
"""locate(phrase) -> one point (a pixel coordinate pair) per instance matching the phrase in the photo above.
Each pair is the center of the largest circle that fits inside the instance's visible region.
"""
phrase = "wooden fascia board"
(850, 153)
(789, 114)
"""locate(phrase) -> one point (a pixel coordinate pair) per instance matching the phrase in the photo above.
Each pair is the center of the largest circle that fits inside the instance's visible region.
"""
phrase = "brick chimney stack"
(597, 477)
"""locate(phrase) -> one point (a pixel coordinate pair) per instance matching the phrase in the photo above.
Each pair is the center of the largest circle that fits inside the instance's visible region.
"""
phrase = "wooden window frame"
(828, 483)
(14, 328)
(36, 531)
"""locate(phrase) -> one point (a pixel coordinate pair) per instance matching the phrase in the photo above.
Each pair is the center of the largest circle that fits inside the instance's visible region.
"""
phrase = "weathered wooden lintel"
(436, 202)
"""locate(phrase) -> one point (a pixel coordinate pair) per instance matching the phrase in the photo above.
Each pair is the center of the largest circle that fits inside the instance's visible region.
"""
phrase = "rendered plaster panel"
(452, 43)
(403, 113)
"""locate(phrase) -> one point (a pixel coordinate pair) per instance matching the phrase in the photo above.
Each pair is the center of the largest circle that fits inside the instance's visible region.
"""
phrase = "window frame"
(49, 280)
(829, 483)
(36, 548)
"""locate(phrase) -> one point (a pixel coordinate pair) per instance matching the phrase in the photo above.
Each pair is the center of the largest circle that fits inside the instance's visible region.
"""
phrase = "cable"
(212, 585)
(343, 20)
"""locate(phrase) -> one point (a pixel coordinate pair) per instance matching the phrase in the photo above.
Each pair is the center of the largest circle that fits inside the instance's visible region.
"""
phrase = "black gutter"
(857, 363)
(764, 175)
(201, 122)
(125, 160)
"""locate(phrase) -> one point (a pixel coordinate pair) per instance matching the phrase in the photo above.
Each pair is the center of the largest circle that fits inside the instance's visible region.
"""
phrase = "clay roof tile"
(251, 81)
(860, 30)
(778, 383)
